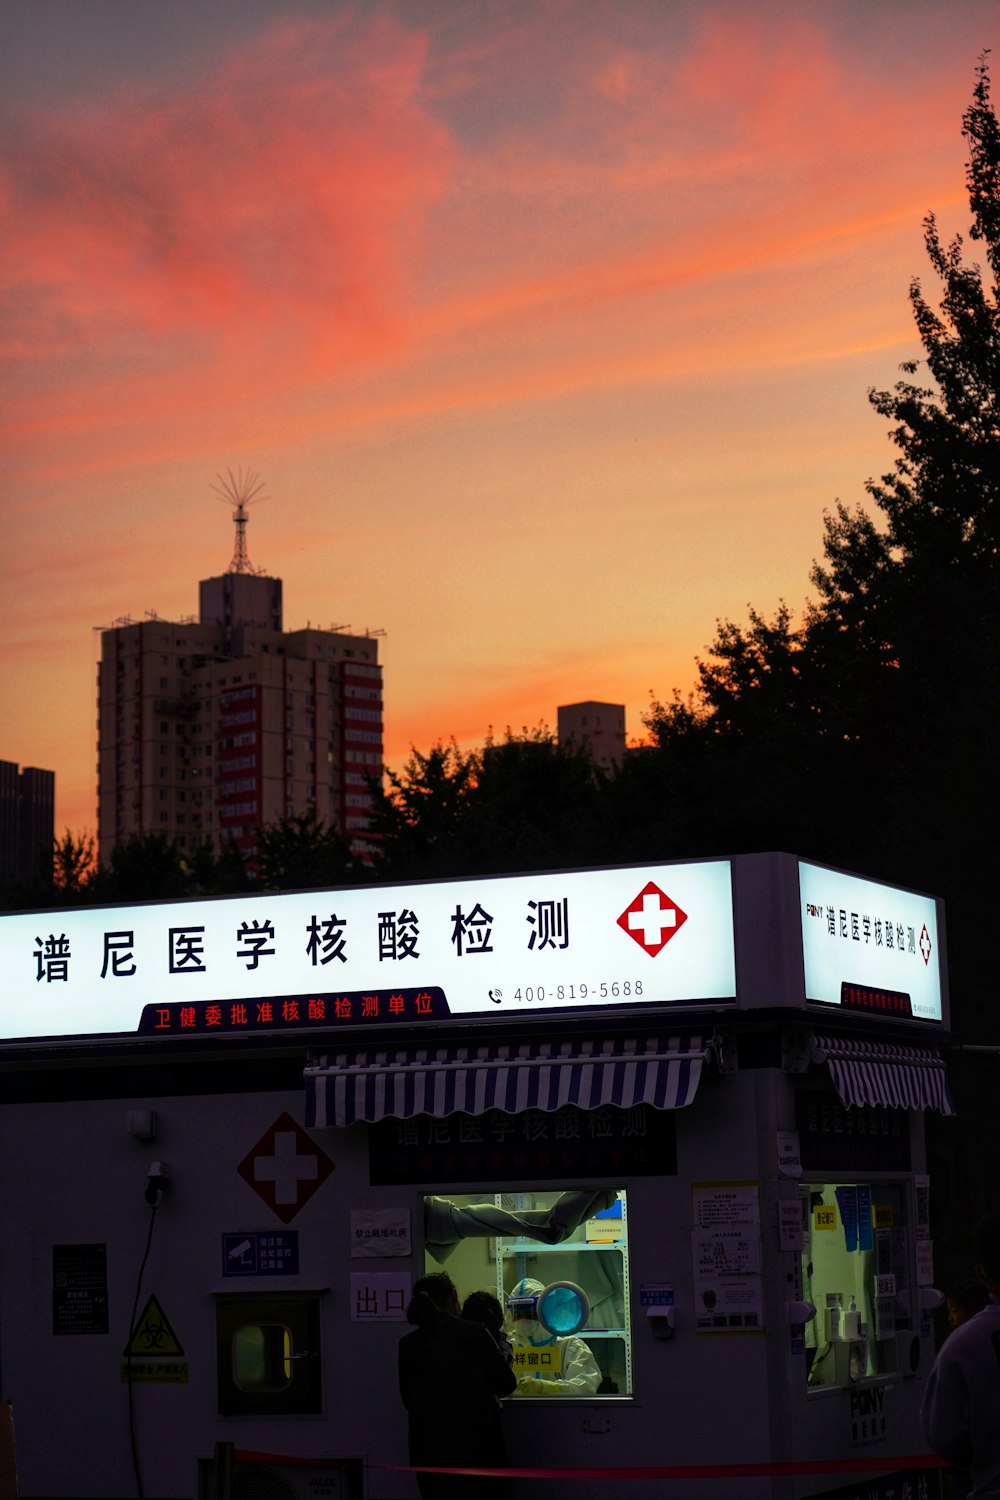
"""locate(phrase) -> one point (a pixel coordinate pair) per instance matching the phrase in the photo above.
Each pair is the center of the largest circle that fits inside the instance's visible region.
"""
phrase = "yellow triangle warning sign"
(153, 1334)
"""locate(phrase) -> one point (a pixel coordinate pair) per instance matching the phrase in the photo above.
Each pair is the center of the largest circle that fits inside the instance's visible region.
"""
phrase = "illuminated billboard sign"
(505, 947)
(870, 947)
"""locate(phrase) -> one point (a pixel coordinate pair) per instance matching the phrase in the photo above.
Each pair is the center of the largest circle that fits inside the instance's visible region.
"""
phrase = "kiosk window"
(262, 1357)
(566, 1304)
(268, 1355)
(856, 1271)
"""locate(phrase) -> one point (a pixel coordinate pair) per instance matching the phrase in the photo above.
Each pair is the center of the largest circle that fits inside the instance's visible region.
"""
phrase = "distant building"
(599, 728)
(210, 729)
(27, 820)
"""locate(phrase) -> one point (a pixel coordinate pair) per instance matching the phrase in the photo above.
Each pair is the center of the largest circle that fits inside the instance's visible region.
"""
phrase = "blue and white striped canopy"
(403, 1082)
(882, 1073)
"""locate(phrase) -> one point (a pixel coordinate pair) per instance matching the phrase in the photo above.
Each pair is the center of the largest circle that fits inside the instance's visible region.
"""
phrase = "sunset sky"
(547, 324)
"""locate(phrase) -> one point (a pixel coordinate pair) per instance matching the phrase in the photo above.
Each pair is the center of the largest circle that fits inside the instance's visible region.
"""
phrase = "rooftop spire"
(240, 490)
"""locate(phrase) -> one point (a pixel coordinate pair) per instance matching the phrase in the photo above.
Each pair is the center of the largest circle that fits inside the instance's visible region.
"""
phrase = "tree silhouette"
(521, 803)
(302, 853)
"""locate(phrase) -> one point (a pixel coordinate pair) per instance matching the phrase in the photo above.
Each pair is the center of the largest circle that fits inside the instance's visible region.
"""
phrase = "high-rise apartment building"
(27, 820)
(212, 728)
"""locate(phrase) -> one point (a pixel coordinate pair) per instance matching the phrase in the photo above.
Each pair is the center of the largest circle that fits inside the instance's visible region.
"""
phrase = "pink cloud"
(297, 245)
(658, 125)
(272, 210)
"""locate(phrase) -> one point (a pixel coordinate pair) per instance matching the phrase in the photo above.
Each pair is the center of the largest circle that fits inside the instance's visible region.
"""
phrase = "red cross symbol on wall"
(285, 1167)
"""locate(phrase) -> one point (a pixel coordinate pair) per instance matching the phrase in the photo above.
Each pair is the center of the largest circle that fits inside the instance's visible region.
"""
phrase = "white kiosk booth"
(681, 1104)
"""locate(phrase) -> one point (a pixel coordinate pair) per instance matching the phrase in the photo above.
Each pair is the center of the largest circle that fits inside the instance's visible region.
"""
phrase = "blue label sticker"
(656, 1294)
(264, 1253)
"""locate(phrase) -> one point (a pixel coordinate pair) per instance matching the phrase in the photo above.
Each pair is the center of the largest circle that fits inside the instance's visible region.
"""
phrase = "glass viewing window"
(545, 1288)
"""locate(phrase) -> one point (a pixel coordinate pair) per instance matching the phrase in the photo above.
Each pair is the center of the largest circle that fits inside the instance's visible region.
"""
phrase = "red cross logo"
(925, 944)
(652, 919)
(285, 1167)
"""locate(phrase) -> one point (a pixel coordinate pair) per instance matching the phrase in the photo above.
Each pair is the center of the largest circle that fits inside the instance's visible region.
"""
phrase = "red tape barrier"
(668, 1471)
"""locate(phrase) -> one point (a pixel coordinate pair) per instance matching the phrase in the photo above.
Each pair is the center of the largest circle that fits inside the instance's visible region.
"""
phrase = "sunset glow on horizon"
(547, 324)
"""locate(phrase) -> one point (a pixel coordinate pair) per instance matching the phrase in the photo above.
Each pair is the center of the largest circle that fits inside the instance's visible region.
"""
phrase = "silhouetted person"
(964, 1300)
(451, 1376)
(484, 1308)
(961, 1406)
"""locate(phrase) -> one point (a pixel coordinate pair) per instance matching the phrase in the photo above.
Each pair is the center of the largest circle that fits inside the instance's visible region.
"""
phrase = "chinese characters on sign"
(397, 936)
(883, 936)
(897, 1485)
(274, 1253)
(379, 1233)
(835, 1139)
(79, 1289)
(864, 928)
(725, 1244)
(155, 1372)
(322, 940)
(527, 1147)
(868, 1415)
(885, 1002)
(52, 958)
(294, 1014)
(550, 921)
(527, 1361)
(379, 1296)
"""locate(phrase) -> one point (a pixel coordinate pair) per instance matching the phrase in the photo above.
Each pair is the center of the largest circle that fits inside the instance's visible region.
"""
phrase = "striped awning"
(894, 1076)
(403, 1082)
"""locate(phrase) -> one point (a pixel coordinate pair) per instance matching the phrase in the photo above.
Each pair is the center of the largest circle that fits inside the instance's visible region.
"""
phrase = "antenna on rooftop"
(240, 490)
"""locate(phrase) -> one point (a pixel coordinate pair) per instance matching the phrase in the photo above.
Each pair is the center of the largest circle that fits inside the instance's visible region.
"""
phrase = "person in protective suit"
(578, 1373)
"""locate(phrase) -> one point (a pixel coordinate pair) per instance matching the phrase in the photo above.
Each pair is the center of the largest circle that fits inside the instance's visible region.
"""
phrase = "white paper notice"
(380, 1232)
(725, 1247)
(789, 1156)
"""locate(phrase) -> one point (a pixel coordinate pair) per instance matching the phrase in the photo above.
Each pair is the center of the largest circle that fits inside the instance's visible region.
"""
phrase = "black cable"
(128, 1355)
(818, 1359)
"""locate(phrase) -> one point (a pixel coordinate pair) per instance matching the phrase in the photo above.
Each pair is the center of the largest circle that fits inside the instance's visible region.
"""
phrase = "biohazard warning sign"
(152, 1334)
(151, 1352)
(285, 1167)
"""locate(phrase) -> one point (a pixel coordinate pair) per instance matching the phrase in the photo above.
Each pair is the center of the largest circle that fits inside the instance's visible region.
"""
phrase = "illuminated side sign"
(517, 945)
(869, 946)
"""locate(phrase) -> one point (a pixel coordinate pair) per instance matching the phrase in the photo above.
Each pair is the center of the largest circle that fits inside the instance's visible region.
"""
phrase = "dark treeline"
(863, 734)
